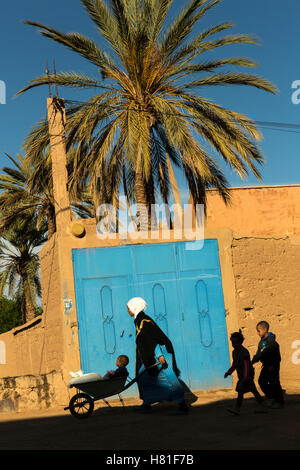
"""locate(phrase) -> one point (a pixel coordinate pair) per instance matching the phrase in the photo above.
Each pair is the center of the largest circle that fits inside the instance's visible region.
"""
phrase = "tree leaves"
(150, 85)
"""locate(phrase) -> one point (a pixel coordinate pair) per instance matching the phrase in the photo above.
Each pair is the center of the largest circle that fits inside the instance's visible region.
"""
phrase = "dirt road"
(207, 426)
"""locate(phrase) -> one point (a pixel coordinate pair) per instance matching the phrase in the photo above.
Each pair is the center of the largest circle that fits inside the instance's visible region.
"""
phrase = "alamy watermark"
(296, 353)
(2, 92)
(161, 222)
(2, 353)
(296, 94)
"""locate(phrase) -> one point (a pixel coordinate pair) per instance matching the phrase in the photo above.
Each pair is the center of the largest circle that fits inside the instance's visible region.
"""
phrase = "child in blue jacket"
(268, 353)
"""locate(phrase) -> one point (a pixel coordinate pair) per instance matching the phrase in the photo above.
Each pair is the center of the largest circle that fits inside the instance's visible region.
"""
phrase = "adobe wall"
(31, 374)
(36, 347)
(264, 211)
(259, 243)
(265, 224)
(267, 286)
(33, 392)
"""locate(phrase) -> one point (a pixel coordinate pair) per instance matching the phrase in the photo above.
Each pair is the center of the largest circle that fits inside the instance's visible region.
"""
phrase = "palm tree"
(19, 263)
(16, 199)
(27, 188)
(147, 109)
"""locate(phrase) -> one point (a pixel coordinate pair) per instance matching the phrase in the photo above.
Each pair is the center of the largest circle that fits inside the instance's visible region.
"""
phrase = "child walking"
(268, 353)
(245, 371)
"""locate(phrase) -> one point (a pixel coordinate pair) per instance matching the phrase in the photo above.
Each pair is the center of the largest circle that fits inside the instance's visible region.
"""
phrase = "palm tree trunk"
(126, 193)
(174, 185)
(115, 204)
(151, 199)
(141, 197)
(27, 303)
(51, 221)
(178, 211)
(29, 311)
(95, 195)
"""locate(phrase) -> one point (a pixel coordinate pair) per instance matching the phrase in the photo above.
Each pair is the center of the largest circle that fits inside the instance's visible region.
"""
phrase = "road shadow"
(206, 426)
(189, 396)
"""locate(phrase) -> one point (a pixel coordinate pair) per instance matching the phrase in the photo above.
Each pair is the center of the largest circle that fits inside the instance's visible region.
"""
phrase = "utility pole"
(57, 122)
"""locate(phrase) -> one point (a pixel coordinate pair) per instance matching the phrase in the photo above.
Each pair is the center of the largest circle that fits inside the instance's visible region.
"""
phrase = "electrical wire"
(268, 125)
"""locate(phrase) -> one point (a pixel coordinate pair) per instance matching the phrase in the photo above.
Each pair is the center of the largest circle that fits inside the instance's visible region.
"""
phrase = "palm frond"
(146, 110)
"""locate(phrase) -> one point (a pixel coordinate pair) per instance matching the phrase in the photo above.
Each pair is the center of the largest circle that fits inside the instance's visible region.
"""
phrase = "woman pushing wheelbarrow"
(156, 371)
(156, 384)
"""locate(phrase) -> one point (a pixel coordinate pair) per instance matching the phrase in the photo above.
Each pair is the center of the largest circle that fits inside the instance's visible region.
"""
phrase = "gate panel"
(204, 323)
(183, 290)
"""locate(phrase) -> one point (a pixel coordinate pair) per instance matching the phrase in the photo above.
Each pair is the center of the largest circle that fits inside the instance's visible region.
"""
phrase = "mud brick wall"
(37, 347)
(52, 352)
(26, 392)
(31, 375)
(267, 285)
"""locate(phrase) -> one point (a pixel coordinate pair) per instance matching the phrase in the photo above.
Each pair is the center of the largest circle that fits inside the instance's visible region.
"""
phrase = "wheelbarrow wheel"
(81, 405)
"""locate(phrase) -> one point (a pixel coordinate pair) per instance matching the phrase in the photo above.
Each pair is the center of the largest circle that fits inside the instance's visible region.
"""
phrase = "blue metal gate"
(183, 290)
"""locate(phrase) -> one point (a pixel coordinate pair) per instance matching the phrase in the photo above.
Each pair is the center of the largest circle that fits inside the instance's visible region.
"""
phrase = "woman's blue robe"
(158, 384)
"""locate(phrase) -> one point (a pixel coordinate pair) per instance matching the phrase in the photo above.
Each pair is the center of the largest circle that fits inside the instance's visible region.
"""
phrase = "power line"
(280, 124)
(280, 130)
(269, 125)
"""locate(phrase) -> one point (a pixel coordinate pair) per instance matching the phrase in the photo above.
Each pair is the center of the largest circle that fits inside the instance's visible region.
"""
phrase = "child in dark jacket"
(121, 371)
(268, 353)
(245, 371)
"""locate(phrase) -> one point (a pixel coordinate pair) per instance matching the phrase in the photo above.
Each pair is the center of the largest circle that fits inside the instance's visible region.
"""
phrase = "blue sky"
(24, 54)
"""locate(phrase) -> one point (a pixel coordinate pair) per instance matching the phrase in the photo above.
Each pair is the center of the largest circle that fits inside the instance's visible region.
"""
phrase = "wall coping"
(259, 187)
(27, 325)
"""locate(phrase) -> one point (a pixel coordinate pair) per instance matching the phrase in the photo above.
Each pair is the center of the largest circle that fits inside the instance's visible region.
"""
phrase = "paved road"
(208, 426)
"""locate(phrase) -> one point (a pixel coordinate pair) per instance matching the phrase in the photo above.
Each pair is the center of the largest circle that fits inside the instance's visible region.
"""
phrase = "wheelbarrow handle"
(150, 367)
(153, 365)
(139, 375)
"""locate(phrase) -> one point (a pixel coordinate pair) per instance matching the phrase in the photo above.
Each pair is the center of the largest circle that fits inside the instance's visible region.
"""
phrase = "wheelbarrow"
(93, 388)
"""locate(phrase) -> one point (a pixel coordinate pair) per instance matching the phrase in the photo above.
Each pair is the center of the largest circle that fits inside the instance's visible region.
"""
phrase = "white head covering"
(136, 305)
